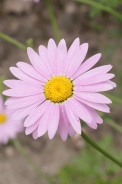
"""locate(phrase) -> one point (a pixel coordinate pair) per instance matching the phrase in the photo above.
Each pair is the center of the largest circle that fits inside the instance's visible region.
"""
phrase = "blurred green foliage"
(91, 167)
(109, 3)
(103, 5)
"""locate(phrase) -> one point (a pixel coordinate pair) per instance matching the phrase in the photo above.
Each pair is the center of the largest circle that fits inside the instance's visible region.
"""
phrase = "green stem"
(102, 7)
(12, 41)
(113, 124)
(53, 20)
(92, 143)
(30, 162)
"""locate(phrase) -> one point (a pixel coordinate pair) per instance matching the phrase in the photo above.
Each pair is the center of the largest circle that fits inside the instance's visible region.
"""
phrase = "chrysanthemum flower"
(58, 89)
(8, 127)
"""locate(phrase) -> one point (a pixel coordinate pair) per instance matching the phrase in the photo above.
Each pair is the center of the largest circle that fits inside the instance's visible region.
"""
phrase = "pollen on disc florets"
(58, 89)
(2, 118)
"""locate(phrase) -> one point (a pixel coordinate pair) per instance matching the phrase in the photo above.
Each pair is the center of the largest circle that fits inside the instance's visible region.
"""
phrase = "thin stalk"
(113, 124)
(13, 41)
(30, 162)
(106, 154)
(53, 20)
(102, 7)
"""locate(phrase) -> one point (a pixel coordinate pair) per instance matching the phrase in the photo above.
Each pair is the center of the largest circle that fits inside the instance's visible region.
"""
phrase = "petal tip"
(99, 55)
(29, 50)
(51, 136)
(77, 40)
(11, 68)
(6, 103)
(26, 133)
(4, 92)
(115, 85)
(51, 41)
(4, 82)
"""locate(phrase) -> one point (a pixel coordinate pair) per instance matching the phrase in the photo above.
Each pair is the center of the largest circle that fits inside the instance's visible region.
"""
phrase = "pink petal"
(35, 134)
(99, 70)
(71, 131)
(22, 113)
(88, 64)
(22, 91)
(37, 63)
(97, 106)
(94, 72)
(44, 120)
(74, 120)
(36, 114)
(93, 97)
(4, 139)
(15, 103)
(92, 124)
(79, 110)
(72, 50)
(77, 59)
(43, 53)
(29, 70)
(31, 128)
(12, 83)
(93, 79)
(52, 49)
(61, 127)
(61, 57)
(103, 86)
(54, 121)
(20, 84)
(22, 76)
(67, 123)
(113, 84)
(62, 131)
(95, 115)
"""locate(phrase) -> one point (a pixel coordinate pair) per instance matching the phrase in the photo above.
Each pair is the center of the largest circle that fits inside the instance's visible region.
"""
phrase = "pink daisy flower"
(58, 89)
(8, 127)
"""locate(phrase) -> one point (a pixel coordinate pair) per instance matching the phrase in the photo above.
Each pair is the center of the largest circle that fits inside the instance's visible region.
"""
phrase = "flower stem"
(12, 41)
(53, 20)
(92, 143)
(110, 122)
(37, 170)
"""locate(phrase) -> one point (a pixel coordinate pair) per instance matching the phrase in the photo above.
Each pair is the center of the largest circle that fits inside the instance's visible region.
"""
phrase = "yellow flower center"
(2, 118)
(58, 89)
